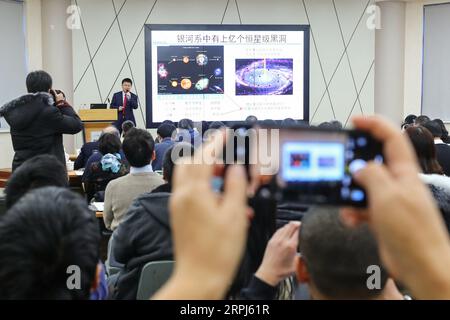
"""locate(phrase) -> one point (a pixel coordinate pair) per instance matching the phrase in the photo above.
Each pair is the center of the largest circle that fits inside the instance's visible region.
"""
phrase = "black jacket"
(86, 151)
(37, 126)
(443, 157)
(143, 236)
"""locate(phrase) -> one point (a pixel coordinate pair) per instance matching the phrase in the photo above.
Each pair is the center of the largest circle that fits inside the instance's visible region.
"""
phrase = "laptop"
(99, 106)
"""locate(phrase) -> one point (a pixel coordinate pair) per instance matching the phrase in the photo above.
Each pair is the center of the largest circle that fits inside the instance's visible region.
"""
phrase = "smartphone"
(316, 166)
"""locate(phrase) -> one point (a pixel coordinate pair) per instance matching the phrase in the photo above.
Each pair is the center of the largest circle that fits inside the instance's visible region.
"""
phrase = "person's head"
(336, 124)
(166, 130)
(186, 124)
(335, 259)
(39, 81)
(325, 125)
(434, 128)
(52, 237)
(251, 120)
(139, 148)
(112, 130)
(109, 143)
(423, 143)
(168, 122)
(217, 125)
(443, 128)
(126, 126)
(420, 120)
(37, 172)
(409, 119)
(127, 84)
(172, 155)
(289, 122)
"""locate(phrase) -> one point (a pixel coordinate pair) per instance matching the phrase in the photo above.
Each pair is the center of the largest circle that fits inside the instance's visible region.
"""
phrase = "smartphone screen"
(316, 166)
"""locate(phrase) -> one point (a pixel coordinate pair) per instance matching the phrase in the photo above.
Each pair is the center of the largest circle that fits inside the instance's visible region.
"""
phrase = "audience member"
(104, 166)
(138, 147)
(421, 120)
(165, 134)
(39, 119)
(126, 126)
(409, 121)
(445, 137)
(52, 235)
(145, 235)
(187, 133)
(432, 173)
(442, 149)
(88, 149)
(37, 172)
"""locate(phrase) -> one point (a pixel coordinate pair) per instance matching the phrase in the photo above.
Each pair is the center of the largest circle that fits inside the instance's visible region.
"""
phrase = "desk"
(74, 178)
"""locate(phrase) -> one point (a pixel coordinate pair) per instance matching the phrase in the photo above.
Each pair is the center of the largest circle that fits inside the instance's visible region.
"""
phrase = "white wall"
(12, 66)
(98, 16)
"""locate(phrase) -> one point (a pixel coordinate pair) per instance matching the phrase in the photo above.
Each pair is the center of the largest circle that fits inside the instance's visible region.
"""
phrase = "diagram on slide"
(190, 70)
(264, 77)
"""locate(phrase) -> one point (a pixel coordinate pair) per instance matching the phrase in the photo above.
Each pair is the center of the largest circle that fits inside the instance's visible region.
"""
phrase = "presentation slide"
(226, 73)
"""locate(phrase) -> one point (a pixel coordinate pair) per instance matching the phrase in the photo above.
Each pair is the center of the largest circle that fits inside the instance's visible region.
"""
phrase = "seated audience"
(89, 148)
(335, 260)
(187, 133)
(138, 147)
(442, 149)
(432, 173)
(164, 132)
(37, 172)
(251, 120)
(421, 120)
(50, 230)
(126, 126)
(289, 122)
(145, 235)
(104, 166)
(409, 121)
(445, 137)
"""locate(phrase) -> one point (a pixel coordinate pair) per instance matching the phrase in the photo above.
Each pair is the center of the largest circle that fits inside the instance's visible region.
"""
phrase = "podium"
(95, 121)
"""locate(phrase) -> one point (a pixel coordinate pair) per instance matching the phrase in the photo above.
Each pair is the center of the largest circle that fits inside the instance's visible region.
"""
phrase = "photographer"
(39, 119)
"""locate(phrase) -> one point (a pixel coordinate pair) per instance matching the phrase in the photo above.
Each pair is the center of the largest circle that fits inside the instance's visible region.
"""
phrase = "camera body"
(314, 165)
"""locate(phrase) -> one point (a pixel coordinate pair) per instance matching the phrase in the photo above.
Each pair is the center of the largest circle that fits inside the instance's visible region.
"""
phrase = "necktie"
(125, 100)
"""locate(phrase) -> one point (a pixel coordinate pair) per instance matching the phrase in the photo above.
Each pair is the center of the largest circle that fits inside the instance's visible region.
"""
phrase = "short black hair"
(48, 230)
(36, 172)
(126, 126)
(168, 122)
(420, 120)
(166, 130)
(217, 125)
(109, 143)
(187, 124)
(251, 120)
(138, 147)
(337, 257)
(175, 152)
(289, 121)
(336, 124)
(127, 80)
(434, 128)
(39, 81)
(410, 119)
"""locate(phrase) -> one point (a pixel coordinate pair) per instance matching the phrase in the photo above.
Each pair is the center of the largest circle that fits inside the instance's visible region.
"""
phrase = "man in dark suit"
(124, 101)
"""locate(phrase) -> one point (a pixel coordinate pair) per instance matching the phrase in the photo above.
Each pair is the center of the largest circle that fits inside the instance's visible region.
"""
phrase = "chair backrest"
(153, 276)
